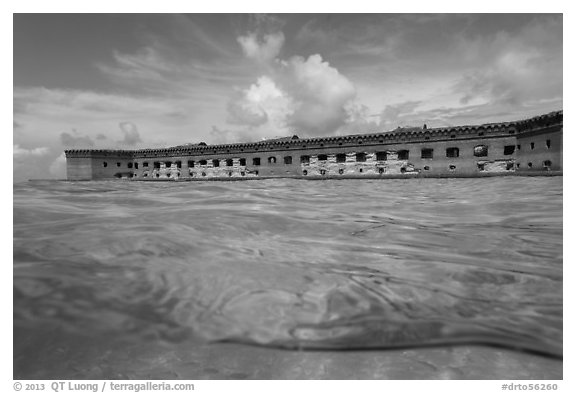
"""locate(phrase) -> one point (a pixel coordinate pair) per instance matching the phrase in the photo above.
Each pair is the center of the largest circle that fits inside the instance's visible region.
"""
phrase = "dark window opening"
(427, 153)
(511, 132)
(242, 173)
(118, 164)
(145, 175)
(145, 164)
(229, 173)
(256, 161)
(508, 150)
(203, 162)
(104, 164)
(322, 157)
(452, 167)
(322, 171)
(426, 168)
(360, 157)
(518, 165)
(167, 175)
(402, 170)
(452, 152)
(481, 167)
(215, 163)
(509, 166)
(380, 170)
(548, 143)
(529, 165)
(340, 171)
(229, 162)
(305, 159)
(427, 138)
(547, 164)
(272, 160)
(203, 173)
(118, 175)
(481, 133)
(190, 164)
(156, 164)
(361, 170)
(531, 145)
(288, 160)
(341, 157)
(157, 175)
(304, 172)
(452, 136)
(168, 164)
(178, 164)
(381, 156)
(242, 162)
(481, 151)
(135, 165)
(403, 154)
(518, 147)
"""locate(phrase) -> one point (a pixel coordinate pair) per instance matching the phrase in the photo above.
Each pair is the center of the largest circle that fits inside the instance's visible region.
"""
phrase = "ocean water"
(271, 278)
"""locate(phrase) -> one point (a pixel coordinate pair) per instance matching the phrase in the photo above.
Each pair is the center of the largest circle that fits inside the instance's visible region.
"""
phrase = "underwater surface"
(289, 279)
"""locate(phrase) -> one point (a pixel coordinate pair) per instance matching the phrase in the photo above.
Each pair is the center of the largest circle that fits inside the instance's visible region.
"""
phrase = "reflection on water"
(293, 263)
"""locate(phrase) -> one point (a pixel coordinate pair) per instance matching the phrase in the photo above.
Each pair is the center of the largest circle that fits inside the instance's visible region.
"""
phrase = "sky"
(128, 81)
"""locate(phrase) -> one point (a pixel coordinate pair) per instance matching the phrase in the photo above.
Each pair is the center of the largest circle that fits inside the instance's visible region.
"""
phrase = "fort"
(525, 147)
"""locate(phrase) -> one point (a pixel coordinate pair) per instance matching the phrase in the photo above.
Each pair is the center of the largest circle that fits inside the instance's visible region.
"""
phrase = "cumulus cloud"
(22, 152)
(305, 95)
(131, 135)
(261, 49)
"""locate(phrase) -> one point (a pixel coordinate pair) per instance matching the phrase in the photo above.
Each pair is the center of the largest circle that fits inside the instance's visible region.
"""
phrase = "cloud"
(76, 140)
(131, 135)
(22, 152)
(304, 95)
(58, 167)
(265, 49)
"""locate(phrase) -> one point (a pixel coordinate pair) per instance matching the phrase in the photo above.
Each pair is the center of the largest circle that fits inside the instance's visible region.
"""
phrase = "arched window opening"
(242, 162)
(145, 164)
(229, 162)
(130, 165)
(215, 163)
(272, 160)
(288, 160)
(360, 157)
(104, 164)
(381, 156)
(256, 161)
(168, 164)
(341, 157)
(548, 143)
(135, 165)
(305, 159)
(118, 164)
(480, 151)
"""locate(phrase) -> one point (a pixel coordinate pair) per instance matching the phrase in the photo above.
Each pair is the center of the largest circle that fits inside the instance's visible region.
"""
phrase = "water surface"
(331, 265)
